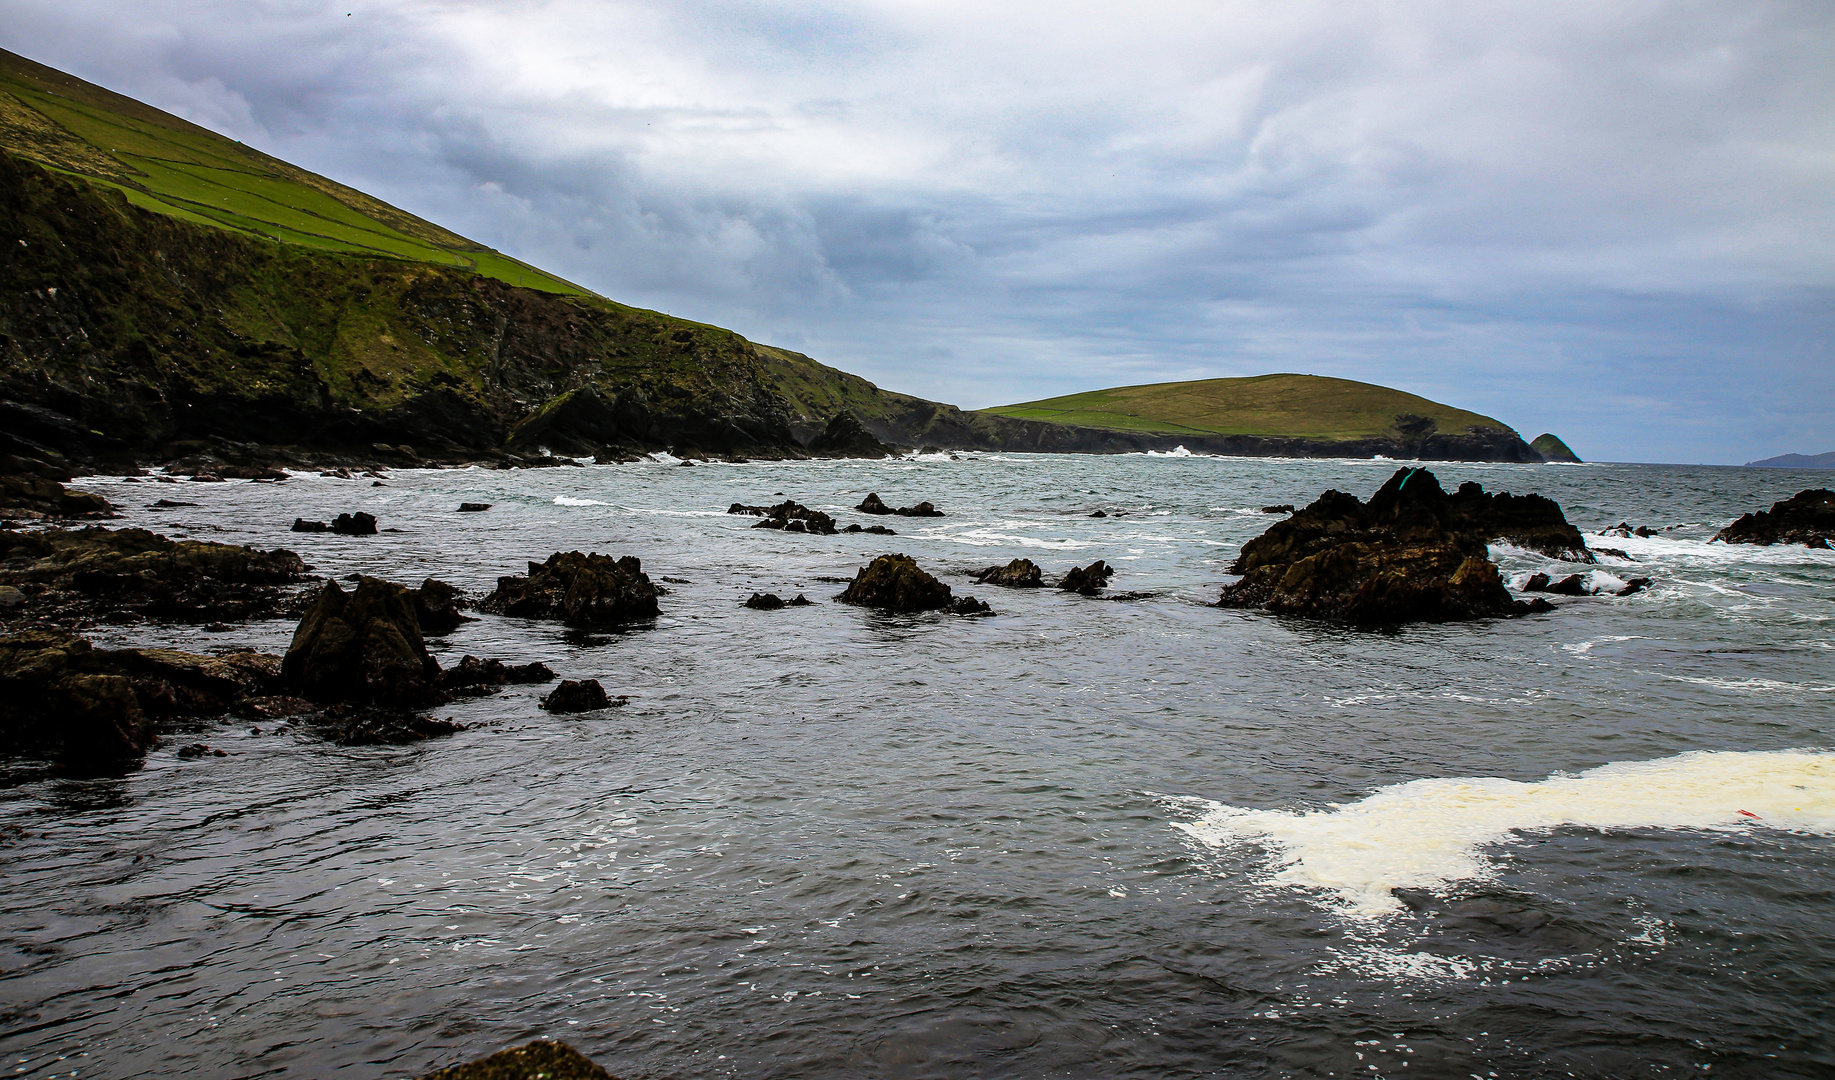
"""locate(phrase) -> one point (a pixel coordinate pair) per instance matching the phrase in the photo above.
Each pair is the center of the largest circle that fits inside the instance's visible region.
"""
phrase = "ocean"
(1130, 835)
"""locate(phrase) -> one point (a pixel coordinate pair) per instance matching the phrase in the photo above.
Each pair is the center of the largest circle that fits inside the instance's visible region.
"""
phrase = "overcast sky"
(1609, 219)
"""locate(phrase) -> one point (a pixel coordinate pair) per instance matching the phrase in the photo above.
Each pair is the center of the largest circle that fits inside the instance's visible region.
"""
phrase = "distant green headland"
(172, 291)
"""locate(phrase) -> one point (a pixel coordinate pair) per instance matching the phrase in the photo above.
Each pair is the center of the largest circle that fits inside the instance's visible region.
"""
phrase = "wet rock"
(1279, 508)
(968, 605)
(1571, 585)
(1087, 580)
(1537, 582)
(1413, 553)
(363, 646)
(198, 750)
(764, 602)
(436, 606)
(1100, 514)
(474, 676)
(173, 504)
(31, 498)
(337, 474)
(873, 504)
(1635, 585)
(357, 524)
(541, 1059)
(1018, 574)
(1614, 552)
(473, 508)
(275, 707)
(301, 525)
(896, 583)
(877, 530)
(575, 696)
(1807, 517)
(353, 724)
(69, 576)
(788, 515)
(580, 590)
(10, 598)
(1625, 530)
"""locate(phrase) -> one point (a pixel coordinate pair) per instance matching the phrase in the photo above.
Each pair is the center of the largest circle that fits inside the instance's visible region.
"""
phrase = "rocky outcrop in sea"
(578, 589)
(1807, 518)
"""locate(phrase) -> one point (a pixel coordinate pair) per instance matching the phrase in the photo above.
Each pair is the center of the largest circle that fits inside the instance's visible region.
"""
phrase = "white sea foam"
(1428, 833)
(1177, 451)
(564, 500)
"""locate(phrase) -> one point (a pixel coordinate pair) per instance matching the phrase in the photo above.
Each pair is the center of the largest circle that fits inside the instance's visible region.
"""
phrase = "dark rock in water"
(1635, 585)
(473, 508)
(1087, 580)
(896, 583)
(845, 437)
(198, 750)
(1571, 585)
(172, 504)
(968, 605)
(1808, 517)
(301, 525)
(788, 515)
(580, 590)
(365, 647)
(873, 504)
(474, 676)
(799, 601)
(540, 1060)
(1537, 583)
(32, 498)
(1625, 529)
(1413, 553)
(1279, 508)
(357, 524)
(877, 530)
(573, 696)
(376, 725)
(69, 576)
(1614, 552)
(92, 709)
(275, 707)
(436, 606)
(765, 602)
(1018, 574)
(1100, 514)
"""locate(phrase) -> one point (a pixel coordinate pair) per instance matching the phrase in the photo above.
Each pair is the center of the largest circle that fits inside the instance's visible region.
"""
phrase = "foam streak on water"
(1432, 832)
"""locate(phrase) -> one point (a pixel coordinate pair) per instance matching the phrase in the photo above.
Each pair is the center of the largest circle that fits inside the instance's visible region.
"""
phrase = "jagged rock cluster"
(897, 583)
(1807, 518)
(1025, 574)
(357, 524)
(578, 589)
(873, 504)
(789, 515)
(67, 576)
(1412, 553)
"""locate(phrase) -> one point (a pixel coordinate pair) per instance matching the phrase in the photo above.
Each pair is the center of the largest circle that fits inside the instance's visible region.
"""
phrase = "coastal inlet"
(1110, 829)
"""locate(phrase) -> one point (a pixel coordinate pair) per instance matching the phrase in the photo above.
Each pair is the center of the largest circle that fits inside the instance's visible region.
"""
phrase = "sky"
(1609, 219)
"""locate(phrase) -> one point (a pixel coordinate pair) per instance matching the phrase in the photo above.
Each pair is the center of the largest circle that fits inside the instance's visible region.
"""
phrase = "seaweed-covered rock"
(1412, 553)
(578, 589)
(363, 646)
(353, 724)
(67, 576)
(33, 498)
(873, 504)
(1087, 580)
(539, 1060)
(896, 583)
(436, 606)
(1018, 574)
(574, 696)
(1808, 518)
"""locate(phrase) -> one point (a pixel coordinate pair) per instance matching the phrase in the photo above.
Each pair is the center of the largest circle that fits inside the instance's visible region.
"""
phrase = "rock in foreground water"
(1018, 574)
(1087, 580)
(873, 504)
(32, 497)
(579, 590)
(897, 583)
(363, 646)
(575, 696)
(1808, 518)
(1413, 553)
(539, 1060)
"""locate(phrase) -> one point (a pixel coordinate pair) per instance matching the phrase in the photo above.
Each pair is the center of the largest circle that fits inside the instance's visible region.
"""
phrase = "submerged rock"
(364, 646)
(583, 695)
(1808, 518)
(474, 676)
(1413, 553)
(873, 504)
(539, 1060)
(1087, 580)
(579, 589)
(377, 725)
(1018, 574)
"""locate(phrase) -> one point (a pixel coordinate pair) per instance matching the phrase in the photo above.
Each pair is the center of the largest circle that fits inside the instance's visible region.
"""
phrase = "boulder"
(968, 605)
(473, 508)
(436, 606)
(33, 498)
(474, 676)
(364, 647)
(1413, 553)
(357, 524)
(301, 525)
(580, 590)
(1087, 580)
(764, 602)
(1807, 517)
(574, 696)
(896, 583)
(877, 530)
(539, 1060)
(1018, 574)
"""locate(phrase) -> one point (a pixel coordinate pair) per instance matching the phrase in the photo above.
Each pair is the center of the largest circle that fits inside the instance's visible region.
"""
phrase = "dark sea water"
(1084, 838)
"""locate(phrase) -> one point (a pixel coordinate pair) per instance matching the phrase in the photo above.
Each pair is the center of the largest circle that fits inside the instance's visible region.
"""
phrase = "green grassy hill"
(1286, 406)
(173, 167)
